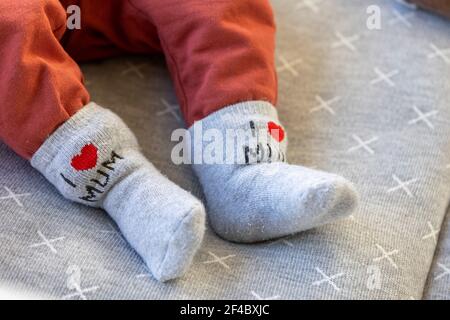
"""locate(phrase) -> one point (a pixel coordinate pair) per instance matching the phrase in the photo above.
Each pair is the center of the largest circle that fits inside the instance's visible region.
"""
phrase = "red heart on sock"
(276, 131)
(86, 159)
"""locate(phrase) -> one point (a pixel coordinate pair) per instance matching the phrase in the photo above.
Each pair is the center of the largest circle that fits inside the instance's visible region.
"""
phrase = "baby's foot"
(94, 159)
(260, 197)
(270, 200)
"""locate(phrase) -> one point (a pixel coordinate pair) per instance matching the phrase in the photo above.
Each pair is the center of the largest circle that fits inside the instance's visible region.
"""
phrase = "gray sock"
(94, 159)
(256, 195)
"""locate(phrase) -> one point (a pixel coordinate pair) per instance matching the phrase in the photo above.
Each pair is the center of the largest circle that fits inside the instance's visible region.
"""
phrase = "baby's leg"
(439, 6)
(86, 151)
(41, 87)
(221, 56)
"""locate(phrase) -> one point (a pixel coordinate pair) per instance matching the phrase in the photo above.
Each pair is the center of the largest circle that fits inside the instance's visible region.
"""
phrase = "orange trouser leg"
(219, 52)
(109, 28)
(439, 6)
(40, 85)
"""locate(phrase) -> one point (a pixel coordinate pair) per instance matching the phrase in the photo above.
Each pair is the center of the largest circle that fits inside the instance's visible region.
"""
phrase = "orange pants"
(219, 52)
(439, 6)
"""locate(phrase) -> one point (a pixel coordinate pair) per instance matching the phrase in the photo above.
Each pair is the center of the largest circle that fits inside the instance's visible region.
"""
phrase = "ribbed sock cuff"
(244, 133)
(92, 122)
(85, 156)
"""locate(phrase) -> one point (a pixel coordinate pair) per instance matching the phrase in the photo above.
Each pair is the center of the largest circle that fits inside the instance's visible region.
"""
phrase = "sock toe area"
(340, 201)
(183, 244)
(161, 221)
(346, 198)
(267, 201)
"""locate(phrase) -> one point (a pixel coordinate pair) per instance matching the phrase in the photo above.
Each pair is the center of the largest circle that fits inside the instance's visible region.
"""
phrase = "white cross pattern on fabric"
(109, 230)
(14, 196)
(325, 105)
(288, 243)
(346, 41)
(444, 54)
(403, 185)
(47, 242)
(402, 18)
(384, 77)
(258, 297)
(386, 255)
(363, 144)
(283, 241)
(289, 65)
(80, 293)
(172, 109)
(423, 117)
(219, 260)
(145, 274)
(433, 234)
(310, 4)
(443, 274)
(328, 279)
(136, 69)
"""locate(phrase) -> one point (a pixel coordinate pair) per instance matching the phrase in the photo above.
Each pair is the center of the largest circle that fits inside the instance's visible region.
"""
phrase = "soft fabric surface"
(390, 137)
